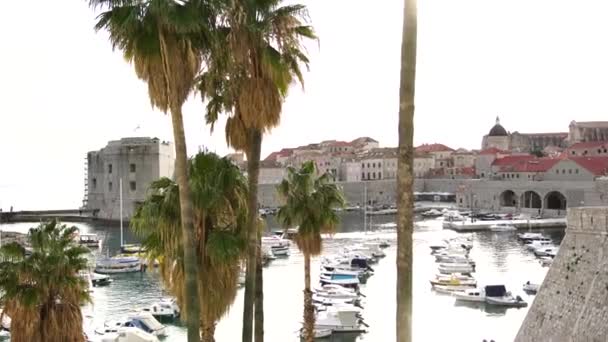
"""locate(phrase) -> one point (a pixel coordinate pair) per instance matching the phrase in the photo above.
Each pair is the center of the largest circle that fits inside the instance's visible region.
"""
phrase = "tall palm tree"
(309, 204)
(219, 192)
(42, 292)
(164, 39)
(405, 176)
(257, 55)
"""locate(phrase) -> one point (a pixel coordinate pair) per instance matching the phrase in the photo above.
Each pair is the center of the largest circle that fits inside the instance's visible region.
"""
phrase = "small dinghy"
(499, 296)
(531, 288)
(125, 334)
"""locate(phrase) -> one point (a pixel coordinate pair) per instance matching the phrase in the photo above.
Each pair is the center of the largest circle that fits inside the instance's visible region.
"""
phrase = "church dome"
(498, 130)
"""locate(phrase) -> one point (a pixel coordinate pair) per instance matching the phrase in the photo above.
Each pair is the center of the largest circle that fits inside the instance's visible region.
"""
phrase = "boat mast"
(120, 200)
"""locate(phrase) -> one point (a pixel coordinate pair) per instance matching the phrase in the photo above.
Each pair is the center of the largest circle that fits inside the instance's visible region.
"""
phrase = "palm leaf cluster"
(219, 192)
(309, 201)
(42, 291)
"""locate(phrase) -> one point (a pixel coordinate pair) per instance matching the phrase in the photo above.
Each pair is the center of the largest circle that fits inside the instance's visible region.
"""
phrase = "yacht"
(446, 268)
(118, 265)
(498, 295)
(124, 334)
(531, 288)
(470, 295)
(165, 309)
(100, 279)
(502, 227)
(340, 319)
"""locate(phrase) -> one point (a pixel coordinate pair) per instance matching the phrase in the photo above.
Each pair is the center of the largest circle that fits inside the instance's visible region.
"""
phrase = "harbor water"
(500, 259)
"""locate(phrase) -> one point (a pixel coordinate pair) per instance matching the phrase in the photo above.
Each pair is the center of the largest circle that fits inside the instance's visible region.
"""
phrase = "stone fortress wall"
(572, 304)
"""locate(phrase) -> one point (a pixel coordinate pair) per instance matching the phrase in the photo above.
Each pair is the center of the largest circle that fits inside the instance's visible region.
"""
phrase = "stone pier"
(572, 304)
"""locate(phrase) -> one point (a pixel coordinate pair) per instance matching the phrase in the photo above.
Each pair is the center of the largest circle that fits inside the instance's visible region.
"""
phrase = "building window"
(109, 186)
(528, 176)
(374, 175)
(503, 175)
(563, 171)
(379, 175)
(132, 167)
(569, 171)
(94, 183)
(362, 175)
(379, 164)
(518, 175)
(599, 151)
(557, 171)
(374, 165)
(368, 165)
(576, 171)
(368, 177)
(109, 168)
(132, 186)
(363, 165)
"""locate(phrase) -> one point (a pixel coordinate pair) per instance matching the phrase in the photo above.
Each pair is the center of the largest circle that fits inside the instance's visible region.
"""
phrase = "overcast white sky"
(537, 63)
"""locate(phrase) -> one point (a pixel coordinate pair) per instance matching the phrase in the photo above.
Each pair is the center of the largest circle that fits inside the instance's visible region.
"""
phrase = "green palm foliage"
(166, 40)
(42, 292)
(257, 54)
(405, 174)
(309, 204)
(219, 193)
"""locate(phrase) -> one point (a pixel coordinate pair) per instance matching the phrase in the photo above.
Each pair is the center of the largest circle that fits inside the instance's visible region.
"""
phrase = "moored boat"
(100, 279)
(499, 296)
(531, 288)
(340, 319)
(470, 295)
(502, 227)
(118, 265)
(454, 279)
(165, 309)
(446, 268)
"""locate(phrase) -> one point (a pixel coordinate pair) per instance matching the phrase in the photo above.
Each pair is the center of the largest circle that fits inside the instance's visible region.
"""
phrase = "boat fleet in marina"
(456, 270)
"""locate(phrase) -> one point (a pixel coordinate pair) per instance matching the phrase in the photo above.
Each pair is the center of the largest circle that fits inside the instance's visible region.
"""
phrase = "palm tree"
(164, 40)
(219, 193)
(42, 292)
(257, 55)
(309, 204)
(405, 176)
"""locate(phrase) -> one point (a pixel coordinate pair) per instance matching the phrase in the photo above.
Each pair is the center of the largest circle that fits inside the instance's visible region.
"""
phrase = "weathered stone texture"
(572, 304)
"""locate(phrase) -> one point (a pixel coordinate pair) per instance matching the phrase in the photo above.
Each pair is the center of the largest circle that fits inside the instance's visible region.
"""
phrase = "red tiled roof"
(588, 144)
(286, 152)
(598, 166)
(510, 160)
(492, 150)
(426, 148)
(530, 165)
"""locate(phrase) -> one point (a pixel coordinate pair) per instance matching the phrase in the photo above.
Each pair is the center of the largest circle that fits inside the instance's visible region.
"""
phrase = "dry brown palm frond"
(311, 243)
(260, 104)
(236, 133)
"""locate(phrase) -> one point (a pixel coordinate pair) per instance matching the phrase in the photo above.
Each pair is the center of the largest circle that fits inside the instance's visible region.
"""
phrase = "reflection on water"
(500, 258)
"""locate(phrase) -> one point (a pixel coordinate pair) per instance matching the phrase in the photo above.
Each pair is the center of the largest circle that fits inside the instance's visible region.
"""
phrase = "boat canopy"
(496, 290)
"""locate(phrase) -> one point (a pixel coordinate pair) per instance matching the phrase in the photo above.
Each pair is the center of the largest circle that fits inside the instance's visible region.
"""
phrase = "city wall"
(470, 193)
(572, 304)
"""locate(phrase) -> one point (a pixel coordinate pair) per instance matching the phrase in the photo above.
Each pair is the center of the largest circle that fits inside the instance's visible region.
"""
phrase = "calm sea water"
(500, 258)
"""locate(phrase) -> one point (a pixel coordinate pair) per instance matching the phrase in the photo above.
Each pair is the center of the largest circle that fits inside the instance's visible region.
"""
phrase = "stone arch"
(531, 199)
(555, 200)
(508, 199)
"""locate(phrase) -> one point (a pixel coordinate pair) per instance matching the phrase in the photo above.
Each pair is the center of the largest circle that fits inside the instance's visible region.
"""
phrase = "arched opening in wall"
(508, 199)
(531, 199)
(555, 200)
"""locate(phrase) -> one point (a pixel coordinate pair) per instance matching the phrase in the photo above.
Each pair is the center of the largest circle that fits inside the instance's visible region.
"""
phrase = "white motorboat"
(335, 291)
(340, 319)
(362, 274)
(165, 309)
(144, 321)
(470, 295)
(546, 251)
(4, 335)
(445, 268)
(498, 295)
(534, 244)
(346, 280)
(452, 252)
(100, 279)
(502, 227)
(278, 246)
(432, 213)
(455, 279)
(125, 334)
(318, 333)
(375, 249)
(333, 301)
(454, 259)
(530, 236)
(89, 240)
(447, 289)
(118, 265)
(546, 261)
(531, 288)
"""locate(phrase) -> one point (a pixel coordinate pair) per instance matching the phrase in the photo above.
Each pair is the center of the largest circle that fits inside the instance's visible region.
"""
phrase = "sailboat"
(118, 264)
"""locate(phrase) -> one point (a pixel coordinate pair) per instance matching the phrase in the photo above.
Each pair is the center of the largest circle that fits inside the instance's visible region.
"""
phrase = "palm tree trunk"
(253, 171)
(207, 330)
(405, 179)
(185, 201)
(259, 293)
(309, 313)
